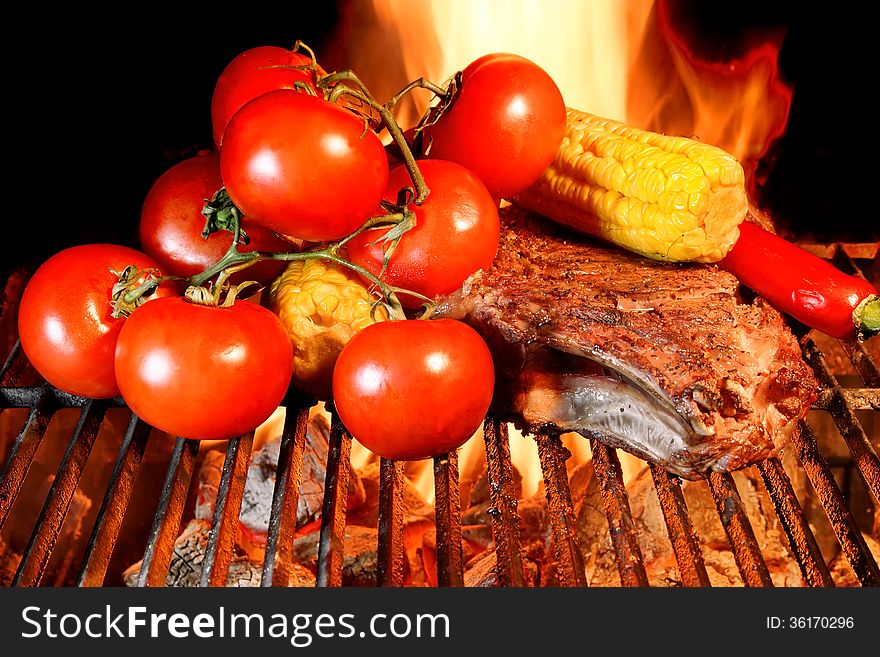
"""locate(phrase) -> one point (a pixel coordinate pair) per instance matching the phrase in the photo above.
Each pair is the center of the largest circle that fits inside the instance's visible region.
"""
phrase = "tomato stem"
(409, 160)
(133, 285)
(421, 83)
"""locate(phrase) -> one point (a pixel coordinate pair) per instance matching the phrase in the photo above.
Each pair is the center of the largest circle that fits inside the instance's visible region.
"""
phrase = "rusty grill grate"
(842, 403)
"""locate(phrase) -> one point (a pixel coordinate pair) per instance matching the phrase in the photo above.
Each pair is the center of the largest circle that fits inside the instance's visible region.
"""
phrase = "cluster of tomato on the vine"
(302, 173)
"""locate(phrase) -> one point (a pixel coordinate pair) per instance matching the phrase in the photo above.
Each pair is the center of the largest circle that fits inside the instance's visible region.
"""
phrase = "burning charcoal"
(367, 514)
(8, 563)
(842, 573)
(209, 481)
(481, 572)
(654, 543)
(360, 558)
(189, 553)
(479, 536)
(480, 490)
(470, 550)
(70, 536)
(256, 503)
(311, 494)
(414, 529)
(480, 501)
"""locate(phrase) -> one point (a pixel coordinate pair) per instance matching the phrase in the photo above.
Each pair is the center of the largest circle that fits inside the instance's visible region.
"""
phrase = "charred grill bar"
(282, 519)
(843, 404)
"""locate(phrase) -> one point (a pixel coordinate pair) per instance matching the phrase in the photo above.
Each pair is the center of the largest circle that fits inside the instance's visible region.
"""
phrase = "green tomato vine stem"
(399, 218)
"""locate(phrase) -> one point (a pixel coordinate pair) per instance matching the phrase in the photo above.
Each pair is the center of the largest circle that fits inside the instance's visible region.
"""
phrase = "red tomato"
(302, 166)
(64, 320)
(172, 222)
(413, 389)
(253, 73)
(456, 233)
(505, 125)
(201, 371)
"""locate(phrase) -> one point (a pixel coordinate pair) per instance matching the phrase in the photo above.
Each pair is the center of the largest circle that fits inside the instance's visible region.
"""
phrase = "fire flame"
(622, 60)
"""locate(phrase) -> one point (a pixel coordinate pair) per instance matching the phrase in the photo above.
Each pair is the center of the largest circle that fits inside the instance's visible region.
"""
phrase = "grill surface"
(842, 403)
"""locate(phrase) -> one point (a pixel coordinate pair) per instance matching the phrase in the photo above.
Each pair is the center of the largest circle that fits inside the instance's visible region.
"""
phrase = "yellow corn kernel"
(668, 198)
(322, 305)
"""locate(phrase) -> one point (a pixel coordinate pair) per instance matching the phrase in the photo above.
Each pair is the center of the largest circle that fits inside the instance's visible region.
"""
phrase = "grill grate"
(842, 403)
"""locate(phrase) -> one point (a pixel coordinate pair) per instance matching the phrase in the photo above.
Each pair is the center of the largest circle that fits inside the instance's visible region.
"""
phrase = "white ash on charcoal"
(654, 543)
(189, 554)
(418, 517)
(360, 557)
(256, 503)
(256, 507)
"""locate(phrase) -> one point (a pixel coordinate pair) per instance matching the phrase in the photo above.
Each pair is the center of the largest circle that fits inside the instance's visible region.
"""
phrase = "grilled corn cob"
(668, 198)
(322, 306)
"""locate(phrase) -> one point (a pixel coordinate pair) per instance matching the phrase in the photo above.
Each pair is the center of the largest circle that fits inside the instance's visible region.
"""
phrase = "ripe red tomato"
(506, 124)
(456, 233)
(413, 389)
(201, 371)
(172, 222)
(302, 166)
(64, 320)
(253, 73)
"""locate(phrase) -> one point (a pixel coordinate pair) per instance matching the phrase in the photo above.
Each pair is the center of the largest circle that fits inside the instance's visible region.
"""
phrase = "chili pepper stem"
(866, 316)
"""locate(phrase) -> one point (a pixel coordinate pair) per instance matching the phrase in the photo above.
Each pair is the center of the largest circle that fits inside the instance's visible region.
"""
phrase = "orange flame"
(740, 105)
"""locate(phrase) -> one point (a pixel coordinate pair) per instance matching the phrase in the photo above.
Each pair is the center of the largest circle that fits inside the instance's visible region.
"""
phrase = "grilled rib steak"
(663, 360)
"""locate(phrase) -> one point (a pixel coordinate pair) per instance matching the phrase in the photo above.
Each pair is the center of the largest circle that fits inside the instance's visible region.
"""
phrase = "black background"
(98, 105)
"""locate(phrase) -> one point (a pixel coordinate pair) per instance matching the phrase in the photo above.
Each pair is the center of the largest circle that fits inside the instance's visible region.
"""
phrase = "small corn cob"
(322, 306)
(668, 198)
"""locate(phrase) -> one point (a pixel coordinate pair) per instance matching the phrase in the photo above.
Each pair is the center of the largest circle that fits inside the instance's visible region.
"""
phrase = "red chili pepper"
(803, 285)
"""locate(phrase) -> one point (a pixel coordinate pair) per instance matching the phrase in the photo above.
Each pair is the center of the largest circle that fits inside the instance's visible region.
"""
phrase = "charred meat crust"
(729, 370)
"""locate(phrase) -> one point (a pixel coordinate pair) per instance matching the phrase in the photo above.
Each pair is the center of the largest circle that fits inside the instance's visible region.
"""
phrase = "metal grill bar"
(563, 525)
(740, 534)
(331, 548)
(681, 530)
(505, 519)
(844, 525)
(858, 399)
(45, 534)
(801, 541)
(23, 450)
(845, 418)
(862, 361)
(112, 512)
(285, 498)
(160, 544)
(224, 526)
(630, 564)
(391, 554)
(14, 366)
(447, 504)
